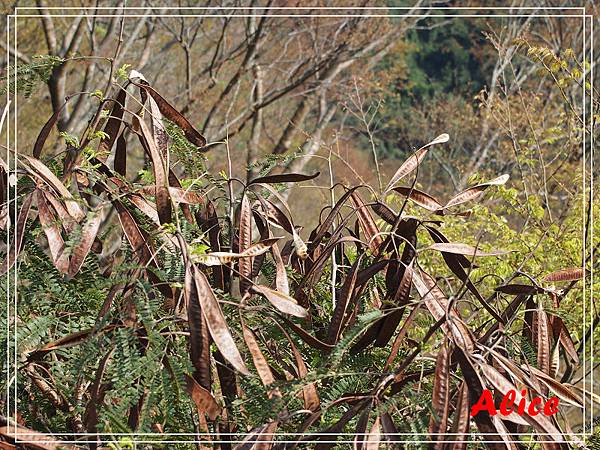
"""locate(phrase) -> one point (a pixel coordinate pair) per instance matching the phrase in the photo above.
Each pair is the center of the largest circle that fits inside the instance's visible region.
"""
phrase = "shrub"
(177, 303)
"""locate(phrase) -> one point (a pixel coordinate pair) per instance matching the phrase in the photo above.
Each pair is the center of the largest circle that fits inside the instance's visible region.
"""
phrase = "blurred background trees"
(289, 88)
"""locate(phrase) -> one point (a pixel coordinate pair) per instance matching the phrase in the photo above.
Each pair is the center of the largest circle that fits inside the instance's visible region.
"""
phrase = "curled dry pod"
(567, 342)
(565, 392)
(300, 246)
(543, 339)
(199, 338)
(384, 212)
(120, 162)
(221, 258)
(281, 279)
(474, 192)
(571, 274)
(275, 216)
(46, 129)
(390, 432)
(461, 420)
(245, 241)
(374, 438)
(414, 160)
(323, 228)
(307, 337)
(360, 433)
(169, 111)
(541, 423)
(309, 391)
(160, 170)
(420, 198)
(33, 439)
(113, 124)
(437, 303)
(66, 341)
(463, 249)
(179, 195)
(260, 362)
(519, 289)
(367, 224)
(335, 325)
(81, 250)
(441, 393)
(217, 324)
(21, 225)
(140, 245)
(259, 438)
(41, 172)
(282, 302)
(285, 178)
(203, 399)
(53, 235)
(260, 247)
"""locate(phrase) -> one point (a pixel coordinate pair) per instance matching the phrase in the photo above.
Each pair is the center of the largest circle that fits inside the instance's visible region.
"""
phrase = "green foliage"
(363, 322)
(192, 160)
(122, 72)
(70, 140)
(548, 247)
(443, 59)
(137, 364)
(28, 76)
(266, 164)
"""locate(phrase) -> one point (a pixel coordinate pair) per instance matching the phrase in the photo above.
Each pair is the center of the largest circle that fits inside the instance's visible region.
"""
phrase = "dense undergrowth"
(174, 300)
